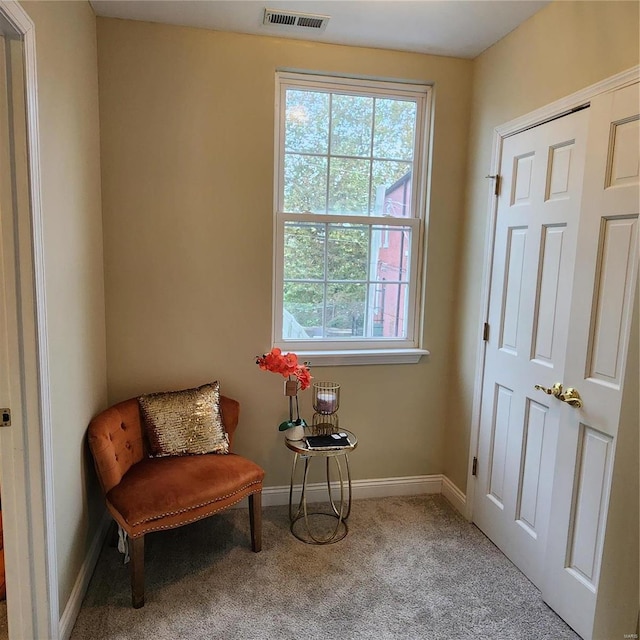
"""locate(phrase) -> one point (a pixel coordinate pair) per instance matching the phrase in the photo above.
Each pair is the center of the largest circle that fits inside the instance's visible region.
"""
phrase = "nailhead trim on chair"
(200, 517)
(196, 506)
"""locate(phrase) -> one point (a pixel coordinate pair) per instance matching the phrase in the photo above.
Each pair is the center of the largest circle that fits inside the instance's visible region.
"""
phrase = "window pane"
(388, 310)
(304, 251)
(349, 186)
(307, 122)
(346, 304)
(351, 119)
(302, 313)
(391, 249)
(394, 131)
(348, 252)
(391, 188)
(305, 184)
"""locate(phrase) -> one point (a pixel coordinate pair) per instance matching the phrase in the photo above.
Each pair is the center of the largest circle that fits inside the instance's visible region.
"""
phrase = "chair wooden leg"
(113, 534)
(255, 521)
(136, 552)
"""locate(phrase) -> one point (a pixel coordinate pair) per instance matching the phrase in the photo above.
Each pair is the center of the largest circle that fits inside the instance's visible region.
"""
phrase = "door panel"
(623, 162)
(543, 351)
(522, 179)
(559, 171)
(604, 283)
(499, 436)
(529, 485)
(516, 244)
(535, 242)
(588, 515)
(612, 299)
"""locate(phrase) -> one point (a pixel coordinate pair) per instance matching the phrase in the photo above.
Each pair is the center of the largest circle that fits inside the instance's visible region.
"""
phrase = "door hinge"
(6, 418)
(496, 184)
(474, 468)
(485, 331)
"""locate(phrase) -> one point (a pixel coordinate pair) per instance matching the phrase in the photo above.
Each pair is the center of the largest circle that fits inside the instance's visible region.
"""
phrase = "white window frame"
(366, 350)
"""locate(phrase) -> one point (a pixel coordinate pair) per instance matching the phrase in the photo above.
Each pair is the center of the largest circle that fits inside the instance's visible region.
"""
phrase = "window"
(349, 203)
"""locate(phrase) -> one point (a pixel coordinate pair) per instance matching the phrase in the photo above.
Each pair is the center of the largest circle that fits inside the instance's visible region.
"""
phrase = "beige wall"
(70, 170)
(187, 165)
(565, 47)
(187, 121)
(186, 124)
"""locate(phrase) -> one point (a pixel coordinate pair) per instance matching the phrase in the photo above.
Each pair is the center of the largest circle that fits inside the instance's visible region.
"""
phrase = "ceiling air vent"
(295, 20)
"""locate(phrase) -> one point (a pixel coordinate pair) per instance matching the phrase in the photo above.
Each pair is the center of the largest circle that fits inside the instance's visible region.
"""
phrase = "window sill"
(361, 357)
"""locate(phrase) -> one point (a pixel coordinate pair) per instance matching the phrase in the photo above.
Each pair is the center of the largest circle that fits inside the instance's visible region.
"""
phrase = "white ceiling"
(461, 28)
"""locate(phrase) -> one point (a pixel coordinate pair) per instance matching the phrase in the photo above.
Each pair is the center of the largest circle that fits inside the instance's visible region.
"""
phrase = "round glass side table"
(341, 509)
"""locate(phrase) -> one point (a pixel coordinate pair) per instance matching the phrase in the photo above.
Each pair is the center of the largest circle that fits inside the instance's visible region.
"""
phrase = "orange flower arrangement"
(286, 364)
(298, 379)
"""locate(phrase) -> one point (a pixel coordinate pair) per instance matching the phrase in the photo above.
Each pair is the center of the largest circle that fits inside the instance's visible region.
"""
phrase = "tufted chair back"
(117, 442)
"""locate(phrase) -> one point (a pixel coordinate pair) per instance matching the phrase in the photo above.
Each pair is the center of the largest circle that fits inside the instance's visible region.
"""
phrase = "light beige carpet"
(411, 568)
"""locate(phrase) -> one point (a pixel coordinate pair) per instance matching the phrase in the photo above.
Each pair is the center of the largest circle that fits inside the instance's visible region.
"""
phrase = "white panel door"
(600, 320)
(535, 248)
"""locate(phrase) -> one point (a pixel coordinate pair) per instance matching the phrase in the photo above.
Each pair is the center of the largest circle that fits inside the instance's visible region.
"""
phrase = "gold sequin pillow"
(184, 422)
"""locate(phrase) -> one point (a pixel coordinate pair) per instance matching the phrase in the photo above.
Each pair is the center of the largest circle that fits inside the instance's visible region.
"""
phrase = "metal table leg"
(341, 514)
(333, 506)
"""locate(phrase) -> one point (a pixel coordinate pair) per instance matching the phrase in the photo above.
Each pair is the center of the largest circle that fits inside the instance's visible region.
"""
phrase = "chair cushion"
(175, 487)
(184, 422)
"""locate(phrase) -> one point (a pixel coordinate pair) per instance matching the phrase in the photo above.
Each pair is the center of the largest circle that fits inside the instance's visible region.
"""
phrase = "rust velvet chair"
(145, 494)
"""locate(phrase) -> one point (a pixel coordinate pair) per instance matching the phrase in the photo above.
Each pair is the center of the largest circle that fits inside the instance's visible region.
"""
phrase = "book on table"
(327, 442)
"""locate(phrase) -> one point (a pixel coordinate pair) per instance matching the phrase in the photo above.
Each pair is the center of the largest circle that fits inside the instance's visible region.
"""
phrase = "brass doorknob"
(555, 391)
(571, 397)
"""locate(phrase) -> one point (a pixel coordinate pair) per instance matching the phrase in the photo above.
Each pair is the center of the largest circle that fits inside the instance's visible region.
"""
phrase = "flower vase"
(294, 433)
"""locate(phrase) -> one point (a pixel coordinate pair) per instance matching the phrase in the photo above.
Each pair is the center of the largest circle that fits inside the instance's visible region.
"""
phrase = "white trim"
(474, 437)
(534, 118)
(421, 93)
(454, 495)
(37, 459)
(42, 338)
(402, 88)
(72, 608)
(374, 488)
(362, 356)
(565, 105)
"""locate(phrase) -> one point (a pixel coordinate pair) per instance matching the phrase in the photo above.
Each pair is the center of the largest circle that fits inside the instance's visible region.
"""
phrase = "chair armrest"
(230, 410)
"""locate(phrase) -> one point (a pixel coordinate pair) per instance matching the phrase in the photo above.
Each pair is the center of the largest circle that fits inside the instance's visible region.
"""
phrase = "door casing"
(26, 454)
(539, 116)
(605, 612)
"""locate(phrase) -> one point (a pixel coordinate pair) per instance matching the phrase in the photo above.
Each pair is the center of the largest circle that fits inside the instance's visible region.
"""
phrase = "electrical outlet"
(6, 417)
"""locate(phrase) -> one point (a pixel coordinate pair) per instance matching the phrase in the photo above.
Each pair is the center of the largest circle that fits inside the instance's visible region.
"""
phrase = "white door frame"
(539, 116)
(33, 583)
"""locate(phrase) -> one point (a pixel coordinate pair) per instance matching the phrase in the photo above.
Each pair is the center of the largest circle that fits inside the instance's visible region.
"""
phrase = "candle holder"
(325, 424)
(326, 397)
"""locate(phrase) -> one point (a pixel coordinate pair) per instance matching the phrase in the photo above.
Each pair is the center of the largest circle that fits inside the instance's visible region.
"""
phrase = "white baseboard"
(377, 488)
(72, 608)
(457, 499)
